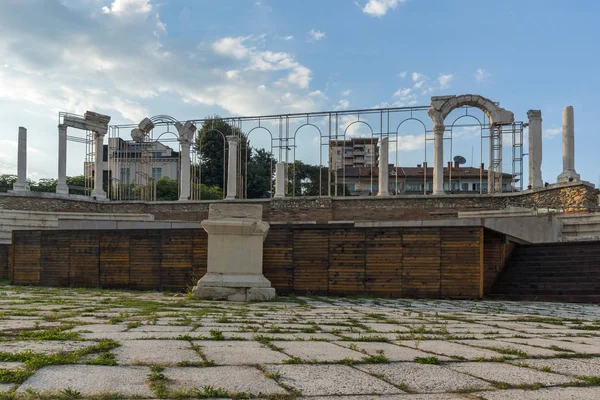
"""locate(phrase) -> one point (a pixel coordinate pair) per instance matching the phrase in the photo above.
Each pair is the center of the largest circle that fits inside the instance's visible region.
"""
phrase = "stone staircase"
(580, 227)
(11, 220)
(551, 272)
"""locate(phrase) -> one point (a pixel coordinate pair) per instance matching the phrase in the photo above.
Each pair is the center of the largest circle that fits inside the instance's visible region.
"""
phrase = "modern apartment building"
(355, 152)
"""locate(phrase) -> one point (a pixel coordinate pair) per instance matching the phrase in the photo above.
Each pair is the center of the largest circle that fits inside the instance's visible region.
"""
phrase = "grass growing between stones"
(427, 360)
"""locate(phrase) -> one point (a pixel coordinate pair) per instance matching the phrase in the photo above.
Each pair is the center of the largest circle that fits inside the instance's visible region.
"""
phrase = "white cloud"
(231, 47)
(402, 92)
(315, 35)
(481, 75)
(378, 8)
(444, 80)
(402, 74)
(346, 92)
(289, 37)
(551, 132)
(417, 76)
(300, 76)
(342, 105)
(128, 7)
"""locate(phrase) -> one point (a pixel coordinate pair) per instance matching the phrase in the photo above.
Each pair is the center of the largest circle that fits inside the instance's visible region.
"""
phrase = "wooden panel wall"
(493, 258)
(4, 249)
(319, 259)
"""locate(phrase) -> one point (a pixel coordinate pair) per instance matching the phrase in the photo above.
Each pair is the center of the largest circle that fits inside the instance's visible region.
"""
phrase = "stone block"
(235, 211)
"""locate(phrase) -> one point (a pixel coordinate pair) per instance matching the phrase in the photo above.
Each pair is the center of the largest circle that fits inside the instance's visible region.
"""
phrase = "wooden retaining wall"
(333, 259)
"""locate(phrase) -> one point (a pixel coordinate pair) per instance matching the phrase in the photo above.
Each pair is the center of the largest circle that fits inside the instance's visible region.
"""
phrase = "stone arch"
(441, 106)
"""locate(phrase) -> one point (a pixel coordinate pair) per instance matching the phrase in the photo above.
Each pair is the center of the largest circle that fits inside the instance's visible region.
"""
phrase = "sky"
(192, 58)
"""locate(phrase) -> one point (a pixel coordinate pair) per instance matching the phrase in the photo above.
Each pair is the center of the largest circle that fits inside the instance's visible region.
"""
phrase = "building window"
(464, 187)
(339, 152)
(156, 154)
(125, 175)
(156, 173)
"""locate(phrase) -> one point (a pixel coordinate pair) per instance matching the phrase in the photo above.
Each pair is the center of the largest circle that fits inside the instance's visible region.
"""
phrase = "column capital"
(534, 114)
(62, 127)
(438, 128)
(99, 134)
(233, 139)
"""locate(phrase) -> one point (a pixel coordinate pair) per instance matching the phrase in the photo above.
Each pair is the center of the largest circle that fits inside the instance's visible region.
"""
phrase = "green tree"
(303, 179)
(261, 170)
(7, 181)
(43, 185)
(167, 189)
(210, 144)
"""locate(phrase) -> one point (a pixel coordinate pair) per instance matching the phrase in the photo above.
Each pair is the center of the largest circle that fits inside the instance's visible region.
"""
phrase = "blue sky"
(192, 58)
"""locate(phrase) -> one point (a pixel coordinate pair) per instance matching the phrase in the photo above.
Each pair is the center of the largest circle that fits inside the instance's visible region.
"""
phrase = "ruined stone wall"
(576, 197)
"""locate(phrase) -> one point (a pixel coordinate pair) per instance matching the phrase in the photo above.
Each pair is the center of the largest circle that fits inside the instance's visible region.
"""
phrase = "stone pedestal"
(233, 142)
(568, 147)
(21, 184)
(235, 251)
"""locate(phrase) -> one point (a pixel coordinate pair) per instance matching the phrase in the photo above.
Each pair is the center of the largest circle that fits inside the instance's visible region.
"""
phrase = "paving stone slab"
(424, 378)
(511, 374)
(120, 336)
(323, 380)
(6, 387)
(371, 336)
(162, 328)
(90, 380)
(574, 367)
(239, 352)
(155, 352)
(391, 351)
(100, 328)
(450, 349)
(317, 351)
(436, 396)
(569, 346)
(43, 346)
(570, 393)
(529, 350)
(230, 378)
(11, 365)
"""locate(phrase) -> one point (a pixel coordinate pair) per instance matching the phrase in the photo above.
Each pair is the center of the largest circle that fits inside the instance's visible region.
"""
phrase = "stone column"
(233, 142)
(184, 183)
(383, 167)
(98, 191)
(61, 186)
(568, 147)
(21, 183)
(438, 159)
(279, 180)
(535, 148)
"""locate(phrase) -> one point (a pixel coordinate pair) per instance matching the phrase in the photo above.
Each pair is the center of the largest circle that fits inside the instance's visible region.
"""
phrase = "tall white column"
(98, 191)
(21, 183)
(568, 147)
(438, 159)
(279, 180)
(233, 142)
(61, 186)
(535, 148)
(184, 180)
(383, 167)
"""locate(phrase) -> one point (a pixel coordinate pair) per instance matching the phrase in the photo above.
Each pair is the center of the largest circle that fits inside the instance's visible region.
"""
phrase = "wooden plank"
(199, 254)
(383, 262)
(278, 253)
(311, 260)
(4, 249)
(176, 260)
(144, 259)
(114, 259)
(26, 257)
(84, 258)
(421, 262)
(54, 258)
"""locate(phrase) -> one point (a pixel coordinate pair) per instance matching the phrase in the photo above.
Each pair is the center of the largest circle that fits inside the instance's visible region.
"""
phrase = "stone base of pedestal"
(20, 187)
(566, 175)
(233, 293)
(233, 287)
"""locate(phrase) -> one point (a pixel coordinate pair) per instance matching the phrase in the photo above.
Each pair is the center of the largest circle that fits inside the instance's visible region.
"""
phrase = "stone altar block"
(235, 251)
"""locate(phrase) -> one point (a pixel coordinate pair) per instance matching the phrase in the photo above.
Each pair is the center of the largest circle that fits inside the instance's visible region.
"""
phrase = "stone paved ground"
(98, 344)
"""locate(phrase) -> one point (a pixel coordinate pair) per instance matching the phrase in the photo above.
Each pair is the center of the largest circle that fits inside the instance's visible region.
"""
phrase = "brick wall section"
(572, 198)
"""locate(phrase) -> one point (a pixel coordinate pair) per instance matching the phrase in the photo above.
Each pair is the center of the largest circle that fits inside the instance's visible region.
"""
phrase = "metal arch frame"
(225, 149)
(481, 128)
(286, 137)
(411, 118)
(344, 153)
(294, 155)
(246, 160)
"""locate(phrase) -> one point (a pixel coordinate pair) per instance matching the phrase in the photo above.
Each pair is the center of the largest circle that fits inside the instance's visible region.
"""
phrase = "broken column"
(233, 142)
(61, 185)
(235, 254)
(568, 147)
(535, 149)
(279, 180)
(383, 167)
(438, 159)
(21, 184)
